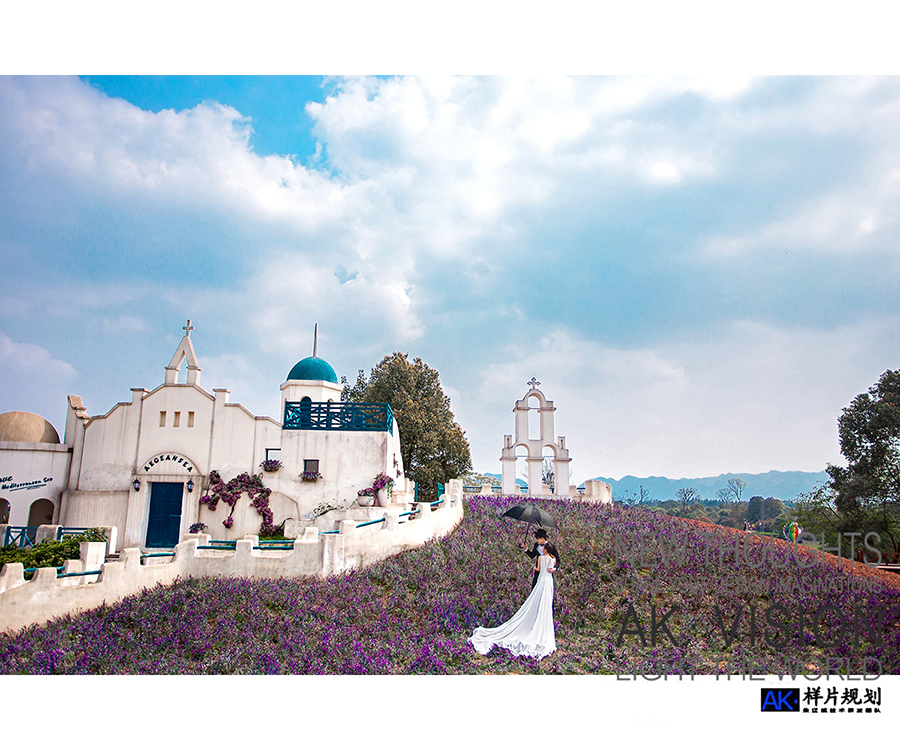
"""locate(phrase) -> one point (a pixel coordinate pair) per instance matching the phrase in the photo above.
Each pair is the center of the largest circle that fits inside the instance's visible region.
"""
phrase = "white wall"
(32, 464)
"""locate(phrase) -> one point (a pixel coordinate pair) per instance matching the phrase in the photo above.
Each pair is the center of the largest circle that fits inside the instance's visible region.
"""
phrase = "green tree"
(738, 514)
(755, 509)
(867, 490)
(764, 509)
(773, 509)
(817, 511)
(724, 517)
(433, 446)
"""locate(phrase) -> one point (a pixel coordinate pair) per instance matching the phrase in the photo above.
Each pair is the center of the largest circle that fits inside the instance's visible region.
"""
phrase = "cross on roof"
(188, 328)
(534, 382)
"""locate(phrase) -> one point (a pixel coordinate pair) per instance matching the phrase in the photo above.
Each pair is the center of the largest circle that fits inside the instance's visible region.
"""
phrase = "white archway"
(534, 446)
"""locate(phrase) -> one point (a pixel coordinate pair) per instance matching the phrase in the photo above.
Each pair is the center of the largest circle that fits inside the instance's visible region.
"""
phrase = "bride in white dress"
(529, 632)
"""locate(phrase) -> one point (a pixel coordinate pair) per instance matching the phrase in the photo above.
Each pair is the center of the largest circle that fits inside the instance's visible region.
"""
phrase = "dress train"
(530, 631)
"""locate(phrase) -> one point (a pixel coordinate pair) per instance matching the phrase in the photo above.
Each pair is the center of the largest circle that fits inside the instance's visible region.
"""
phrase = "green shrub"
(50, 553)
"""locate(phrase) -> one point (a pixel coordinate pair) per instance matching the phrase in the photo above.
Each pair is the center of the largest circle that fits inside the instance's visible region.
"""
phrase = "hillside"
(413, 613)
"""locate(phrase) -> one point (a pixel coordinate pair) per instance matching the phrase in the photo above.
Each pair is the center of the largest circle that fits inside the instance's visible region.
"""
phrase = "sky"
(701, 271)
(692, 245)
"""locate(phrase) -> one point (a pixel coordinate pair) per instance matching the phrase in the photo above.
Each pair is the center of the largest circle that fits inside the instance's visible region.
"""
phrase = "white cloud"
(750, 397)
(665, 172)
(199, 156)
(848, 222)
(369, 313)
(31, 359)
(439, 183)
(37, 379)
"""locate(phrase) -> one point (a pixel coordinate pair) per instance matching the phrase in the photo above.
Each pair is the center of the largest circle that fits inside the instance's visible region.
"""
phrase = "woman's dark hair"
(548, 547)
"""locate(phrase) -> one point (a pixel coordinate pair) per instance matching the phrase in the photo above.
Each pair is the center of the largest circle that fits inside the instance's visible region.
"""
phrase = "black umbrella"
(530, 513)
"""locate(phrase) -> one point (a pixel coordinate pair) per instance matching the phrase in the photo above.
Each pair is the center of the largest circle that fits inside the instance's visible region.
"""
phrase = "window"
(190, 419)
(310, 464)
(162, 419)
(273, 454)
(176, 419)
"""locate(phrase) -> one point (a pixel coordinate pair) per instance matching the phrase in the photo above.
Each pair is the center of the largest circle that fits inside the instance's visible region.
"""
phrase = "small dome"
(25, 427)
(312, 368)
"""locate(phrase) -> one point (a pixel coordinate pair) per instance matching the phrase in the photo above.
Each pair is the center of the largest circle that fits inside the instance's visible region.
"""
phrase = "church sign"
(168, 457)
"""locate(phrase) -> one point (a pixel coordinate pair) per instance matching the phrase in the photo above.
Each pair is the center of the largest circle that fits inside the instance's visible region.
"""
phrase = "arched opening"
(5, 508)
(41, 512)
(534, 418)
(521, 473)
(548, 470)
(306, 412)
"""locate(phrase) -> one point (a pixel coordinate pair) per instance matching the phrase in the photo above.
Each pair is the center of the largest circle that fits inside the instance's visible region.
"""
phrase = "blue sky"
(276, 105)
(701, 271)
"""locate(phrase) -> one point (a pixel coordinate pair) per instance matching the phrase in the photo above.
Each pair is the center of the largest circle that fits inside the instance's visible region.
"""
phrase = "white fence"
(314, 553)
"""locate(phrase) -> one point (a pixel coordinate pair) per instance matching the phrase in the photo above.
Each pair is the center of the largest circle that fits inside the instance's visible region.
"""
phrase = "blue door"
(164, 522)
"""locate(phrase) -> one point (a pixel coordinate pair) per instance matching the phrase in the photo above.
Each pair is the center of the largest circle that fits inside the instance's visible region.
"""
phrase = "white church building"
(144, 466)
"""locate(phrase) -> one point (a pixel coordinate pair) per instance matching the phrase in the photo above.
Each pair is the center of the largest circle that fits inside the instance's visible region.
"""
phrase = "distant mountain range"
(785, 485)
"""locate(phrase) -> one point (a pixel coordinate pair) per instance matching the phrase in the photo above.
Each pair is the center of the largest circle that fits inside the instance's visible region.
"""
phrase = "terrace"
(330, 415)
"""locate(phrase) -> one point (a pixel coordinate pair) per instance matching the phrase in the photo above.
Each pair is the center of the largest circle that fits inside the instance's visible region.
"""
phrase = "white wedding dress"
(529, 632)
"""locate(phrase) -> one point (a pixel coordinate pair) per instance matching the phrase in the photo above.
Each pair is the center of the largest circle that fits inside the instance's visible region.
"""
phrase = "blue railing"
(20, 536)
(64, 531)
(86, 573)
(369, 523)
(24, 536)
(338, 415)
(227, 545)
(60, 574)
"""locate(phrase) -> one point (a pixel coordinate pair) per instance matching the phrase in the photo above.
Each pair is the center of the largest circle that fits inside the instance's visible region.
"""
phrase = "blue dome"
(312, 368)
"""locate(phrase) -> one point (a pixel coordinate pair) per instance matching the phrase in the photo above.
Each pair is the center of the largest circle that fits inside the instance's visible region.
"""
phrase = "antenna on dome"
(316, 340)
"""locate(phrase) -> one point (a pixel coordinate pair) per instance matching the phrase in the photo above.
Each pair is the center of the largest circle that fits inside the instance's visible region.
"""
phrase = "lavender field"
(413, 613)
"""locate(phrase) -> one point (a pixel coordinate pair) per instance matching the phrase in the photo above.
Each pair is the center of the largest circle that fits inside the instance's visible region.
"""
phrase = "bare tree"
(737, 485)
(687, 496)
(733, 490)
(548, 475)
(644, 494)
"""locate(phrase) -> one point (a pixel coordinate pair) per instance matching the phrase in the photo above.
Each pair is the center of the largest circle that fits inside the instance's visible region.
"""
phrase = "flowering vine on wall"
(231, 492)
